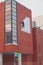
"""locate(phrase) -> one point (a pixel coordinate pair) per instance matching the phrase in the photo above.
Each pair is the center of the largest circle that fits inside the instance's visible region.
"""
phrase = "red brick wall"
(25, 43)
(27, 59)
(37, 39)
(3, 47)
(1, 27)
(41, 45)
(8, 59)
(24, 39)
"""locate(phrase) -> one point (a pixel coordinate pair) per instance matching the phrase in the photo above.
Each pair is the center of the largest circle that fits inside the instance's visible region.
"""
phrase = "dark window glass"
(8, 37)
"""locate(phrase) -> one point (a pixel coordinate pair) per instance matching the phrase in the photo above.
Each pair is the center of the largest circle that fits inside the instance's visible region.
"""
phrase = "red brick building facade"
(19, 42)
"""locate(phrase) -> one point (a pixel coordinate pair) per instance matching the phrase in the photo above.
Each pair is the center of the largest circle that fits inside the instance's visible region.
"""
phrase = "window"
(10, 31)
(22, 24)
(25, 25)
(14, 23)
(8, 37)
(8, 21)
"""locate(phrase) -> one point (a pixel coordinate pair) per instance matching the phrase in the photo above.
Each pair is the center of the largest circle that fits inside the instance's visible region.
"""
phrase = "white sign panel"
(26, 25)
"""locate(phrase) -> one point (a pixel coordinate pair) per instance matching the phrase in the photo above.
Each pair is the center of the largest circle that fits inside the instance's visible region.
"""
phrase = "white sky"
(35, 5)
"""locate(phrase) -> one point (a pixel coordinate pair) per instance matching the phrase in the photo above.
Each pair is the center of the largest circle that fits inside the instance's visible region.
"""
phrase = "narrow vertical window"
(14, 23)
(8, 21)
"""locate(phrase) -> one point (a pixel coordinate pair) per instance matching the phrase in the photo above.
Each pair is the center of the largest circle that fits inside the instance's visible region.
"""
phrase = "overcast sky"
(35, 5)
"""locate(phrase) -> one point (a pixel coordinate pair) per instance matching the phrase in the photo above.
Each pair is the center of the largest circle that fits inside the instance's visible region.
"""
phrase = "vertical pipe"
(20, 60)
(39, 49)
(1, 59)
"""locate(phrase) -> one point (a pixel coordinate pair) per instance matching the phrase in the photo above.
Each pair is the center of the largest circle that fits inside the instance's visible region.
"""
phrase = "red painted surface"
(8, 59)
(37, 40)
(1, 27)
(35, 46)
(25, 43)
(27, 59)
(24, 39)
(41, 45)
